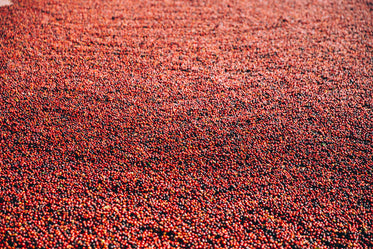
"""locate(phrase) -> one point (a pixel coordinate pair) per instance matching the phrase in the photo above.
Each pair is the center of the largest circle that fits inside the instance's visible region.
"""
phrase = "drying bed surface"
(186, 124)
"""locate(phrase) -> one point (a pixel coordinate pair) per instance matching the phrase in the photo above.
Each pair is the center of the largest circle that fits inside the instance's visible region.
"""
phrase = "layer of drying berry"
(186, 124)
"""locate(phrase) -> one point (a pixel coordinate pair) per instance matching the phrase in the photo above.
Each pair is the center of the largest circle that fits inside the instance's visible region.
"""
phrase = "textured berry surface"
(186, 123)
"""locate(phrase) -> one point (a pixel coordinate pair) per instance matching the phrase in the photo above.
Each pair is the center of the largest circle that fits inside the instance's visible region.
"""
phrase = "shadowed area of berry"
(186, 124)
